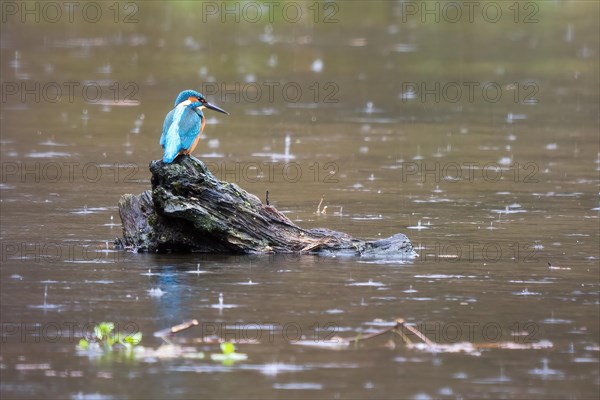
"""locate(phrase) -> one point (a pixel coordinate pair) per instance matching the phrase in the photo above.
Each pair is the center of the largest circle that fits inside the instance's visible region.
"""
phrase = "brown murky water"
(478, 139)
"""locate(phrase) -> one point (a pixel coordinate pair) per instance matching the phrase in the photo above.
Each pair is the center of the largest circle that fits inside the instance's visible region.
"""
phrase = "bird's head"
(197, 97)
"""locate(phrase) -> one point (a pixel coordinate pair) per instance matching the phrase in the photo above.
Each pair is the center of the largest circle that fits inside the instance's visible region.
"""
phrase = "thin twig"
(418, 333)
(176, 329)
(403, 336)
(375, 334)
(319, 206)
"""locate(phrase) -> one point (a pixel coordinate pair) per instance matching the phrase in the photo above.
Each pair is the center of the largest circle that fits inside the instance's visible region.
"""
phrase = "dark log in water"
(190, 210)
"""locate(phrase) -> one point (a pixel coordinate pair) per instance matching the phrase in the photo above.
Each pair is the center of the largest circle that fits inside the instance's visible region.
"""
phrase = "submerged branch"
(398, 328)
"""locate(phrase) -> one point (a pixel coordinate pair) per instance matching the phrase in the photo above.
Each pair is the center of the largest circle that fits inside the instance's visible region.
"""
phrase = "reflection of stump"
(188, 209)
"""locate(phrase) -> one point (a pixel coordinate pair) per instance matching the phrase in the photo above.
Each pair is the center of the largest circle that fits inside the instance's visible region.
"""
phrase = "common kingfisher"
(184, 124)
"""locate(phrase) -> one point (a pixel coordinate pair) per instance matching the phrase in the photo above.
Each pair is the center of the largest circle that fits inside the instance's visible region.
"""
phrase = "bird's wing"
(181, 127)
(171, 138)
(189, 127)
(166, 125)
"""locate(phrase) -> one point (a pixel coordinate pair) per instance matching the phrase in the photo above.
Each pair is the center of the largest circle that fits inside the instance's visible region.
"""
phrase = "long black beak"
(213, 107)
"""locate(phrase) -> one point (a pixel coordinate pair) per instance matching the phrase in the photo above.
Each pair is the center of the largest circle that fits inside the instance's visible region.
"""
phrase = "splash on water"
(156, 292)
(46, 305)
(418, 227)
(197, 271)
(298, 386)
(511, 209)
(150, 273)
(545, 372)
(249, 283)
(526, 292)
(410, 290)
(369, 283)
(285, 156)
(221, 304)
(48, 154)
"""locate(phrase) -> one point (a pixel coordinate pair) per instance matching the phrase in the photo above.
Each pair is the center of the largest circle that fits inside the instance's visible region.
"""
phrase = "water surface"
(500, 197)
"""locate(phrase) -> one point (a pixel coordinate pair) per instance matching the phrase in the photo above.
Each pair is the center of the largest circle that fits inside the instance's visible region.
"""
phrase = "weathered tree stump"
(190, 210)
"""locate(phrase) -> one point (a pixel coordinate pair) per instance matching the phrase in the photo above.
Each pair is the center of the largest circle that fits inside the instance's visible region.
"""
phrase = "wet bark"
(190, 210)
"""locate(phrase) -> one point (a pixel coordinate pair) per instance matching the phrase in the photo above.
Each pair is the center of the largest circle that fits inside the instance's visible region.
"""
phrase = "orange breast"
(193, 146)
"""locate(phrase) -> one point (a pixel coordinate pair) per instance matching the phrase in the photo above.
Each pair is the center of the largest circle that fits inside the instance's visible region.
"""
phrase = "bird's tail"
(172, 144)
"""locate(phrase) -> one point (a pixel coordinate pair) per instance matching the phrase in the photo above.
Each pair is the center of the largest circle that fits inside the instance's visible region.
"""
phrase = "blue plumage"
(184, 124)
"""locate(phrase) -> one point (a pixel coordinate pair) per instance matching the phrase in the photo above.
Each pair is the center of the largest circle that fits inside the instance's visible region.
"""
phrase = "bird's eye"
(203, 100)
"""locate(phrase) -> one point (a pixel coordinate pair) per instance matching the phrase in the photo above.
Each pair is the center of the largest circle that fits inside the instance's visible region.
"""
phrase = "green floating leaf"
(98, 332)
(103, 330)
(227, 348)
(106, 327)
(133, 339)
(107, 338)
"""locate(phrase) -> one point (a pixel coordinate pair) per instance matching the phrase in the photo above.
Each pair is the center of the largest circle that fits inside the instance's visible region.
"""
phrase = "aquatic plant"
(107, 339)
(228, 355)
